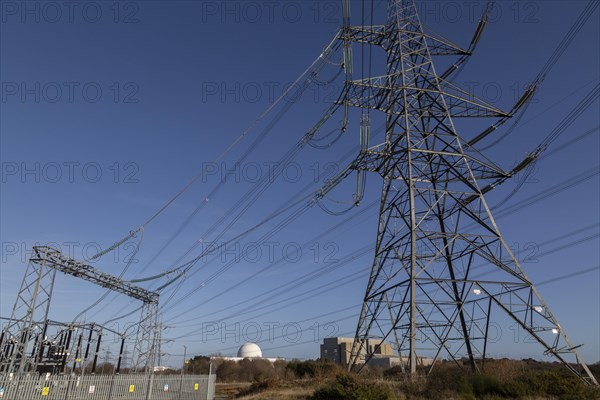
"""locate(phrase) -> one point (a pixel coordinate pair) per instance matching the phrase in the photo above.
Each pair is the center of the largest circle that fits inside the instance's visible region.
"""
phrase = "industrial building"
(338, 350)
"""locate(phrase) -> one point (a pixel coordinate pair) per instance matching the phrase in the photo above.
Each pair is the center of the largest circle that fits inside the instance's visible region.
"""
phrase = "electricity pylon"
(441, 266)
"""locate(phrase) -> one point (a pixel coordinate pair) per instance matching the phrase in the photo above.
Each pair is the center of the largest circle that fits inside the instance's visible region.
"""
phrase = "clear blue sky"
(107, 112)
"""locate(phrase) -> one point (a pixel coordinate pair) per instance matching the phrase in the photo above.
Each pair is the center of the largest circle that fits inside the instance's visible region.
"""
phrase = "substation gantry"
(24, 341)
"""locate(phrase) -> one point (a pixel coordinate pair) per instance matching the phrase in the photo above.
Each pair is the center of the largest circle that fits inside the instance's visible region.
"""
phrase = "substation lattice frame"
(24, 344)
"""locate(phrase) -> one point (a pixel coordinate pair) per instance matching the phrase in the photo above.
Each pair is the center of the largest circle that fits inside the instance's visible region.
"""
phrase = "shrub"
(313, 369)
(197, 365)
(302, 369)
(489, 385)
(259, 386)
(348, 388)
(448, 378)
(228, 371)
(393, 372)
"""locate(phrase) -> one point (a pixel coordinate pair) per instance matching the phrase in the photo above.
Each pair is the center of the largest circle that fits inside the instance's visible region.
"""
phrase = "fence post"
(182, 369)
(112, 385)
(68, 386)
(209, 394)
(150, 384)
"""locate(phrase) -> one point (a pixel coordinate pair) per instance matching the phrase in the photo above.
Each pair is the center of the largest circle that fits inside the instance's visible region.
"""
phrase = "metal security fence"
(102, 387)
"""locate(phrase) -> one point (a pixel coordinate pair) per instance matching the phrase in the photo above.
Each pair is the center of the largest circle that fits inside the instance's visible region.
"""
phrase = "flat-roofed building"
(338, 349)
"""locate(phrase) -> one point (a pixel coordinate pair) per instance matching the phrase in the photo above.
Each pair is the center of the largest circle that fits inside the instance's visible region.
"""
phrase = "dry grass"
(284, 390)
(298, 393)
(230, 390)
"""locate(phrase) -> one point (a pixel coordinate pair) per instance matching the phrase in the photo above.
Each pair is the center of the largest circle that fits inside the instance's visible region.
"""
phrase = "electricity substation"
(440, 270)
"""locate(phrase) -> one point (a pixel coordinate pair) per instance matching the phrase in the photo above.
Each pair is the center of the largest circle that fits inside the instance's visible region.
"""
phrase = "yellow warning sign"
(45, 391)
(131, 388)
(195, 386)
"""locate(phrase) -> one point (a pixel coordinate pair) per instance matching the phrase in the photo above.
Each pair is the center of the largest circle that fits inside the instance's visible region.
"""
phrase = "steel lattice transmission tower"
(441, 267)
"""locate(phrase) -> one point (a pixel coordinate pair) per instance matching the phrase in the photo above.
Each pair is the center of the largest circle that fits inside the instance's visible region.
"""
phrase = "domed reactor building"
(248, 350)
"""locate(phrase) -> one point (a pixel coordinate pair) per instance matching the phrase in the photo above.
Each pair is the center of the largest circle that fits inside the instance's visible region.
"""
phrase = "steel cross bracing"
(24, 337)
(441, 266)
(145, 349)
(32, 304)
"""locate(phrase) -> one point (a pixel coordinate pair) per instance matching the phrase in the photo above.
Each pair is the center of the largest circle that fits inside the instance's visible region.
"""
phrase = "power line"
(355, 276)
(548, 66)
(354, 315)
(319, 60)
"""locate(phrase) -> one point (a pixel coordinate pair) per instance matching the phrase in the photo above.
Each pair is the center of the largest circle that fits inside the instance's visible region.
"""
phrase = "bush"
(489, 385)
(313, 369)
(259, 386)
(302, 369)
(246, 370)
(448, 378)
(550, 383)
(565, 387)
(348, 388)
(595, 369)
(198, 365)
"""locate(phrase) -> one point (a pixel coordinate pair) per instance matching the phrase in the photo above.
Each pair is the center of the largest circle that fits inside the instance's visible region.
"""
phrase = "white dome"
(249, 350)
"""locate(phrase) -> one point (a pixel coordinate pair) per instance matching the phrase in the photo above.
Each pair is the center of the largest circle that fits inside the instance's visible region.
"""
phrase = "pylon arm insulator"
(523, 101)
